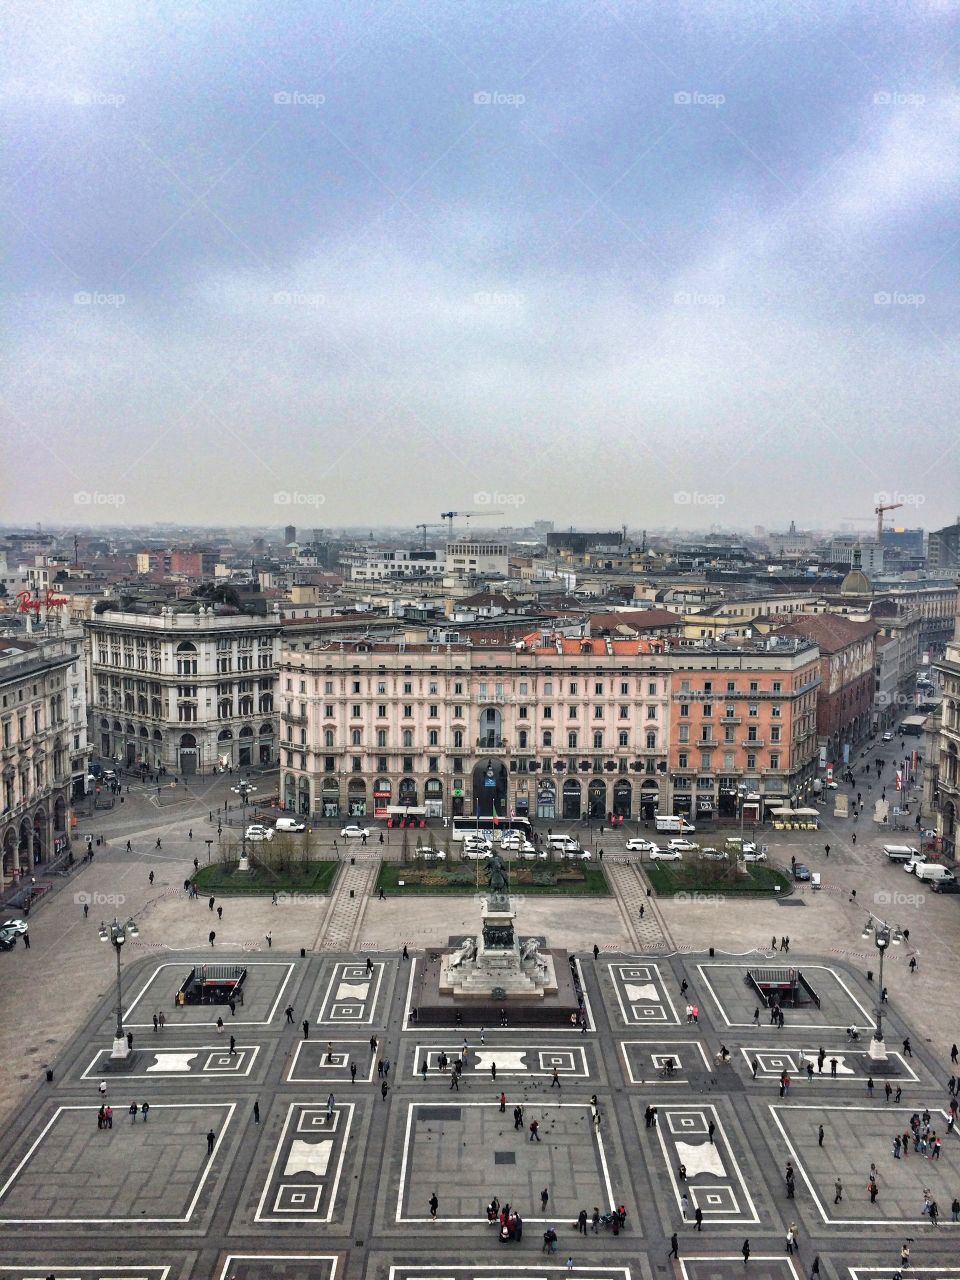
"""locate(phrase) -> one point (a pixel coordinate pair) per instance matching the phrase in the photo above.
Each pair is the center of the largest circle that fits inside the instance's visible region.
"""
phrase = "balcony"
(730, 719)
(491, 744)
(751, 744)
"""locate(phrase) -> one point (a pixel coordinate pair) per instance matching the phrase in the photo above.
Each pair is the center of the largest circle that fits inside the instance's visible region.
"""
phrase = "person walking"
(873, 1189)
(353, 1073)
(256, 1111)
(820, 1136)
(698, 1217)
(534, 1130)
(434, 1206)
(815, 1268)
(161, 1019)
(289, 1013)
(544, 1198)
(711, 1130)
(306, 1029)
(219, 913)
(954, 1054)
(791, 1239)
(838, 1192)
(555, 1082)
(385, 1088)
(212, 937)
(211, 1139)
(150, 877)
(674, 1248)
(518, 1117)
(233, 1046)
(133, 1112)
(503, 1103)
(745, 1250)
(907, 1048)
(156, 1022)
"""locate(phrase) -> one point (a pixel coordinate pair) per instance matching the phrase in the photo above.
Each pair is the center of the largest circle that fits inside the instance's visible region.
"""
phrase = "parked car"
(15, 924)
(740, 845)
(567, 843)
(529, 853)
(257, 831)
(637, 844)
(682, 845)
(713, 855)
(887, 737)
(289, 824)
(430, 855)
(8, 940)
(911, 863)
(754, 855)
(517, 848)
(801, 872)
(353, 832)
(667, 855)
(576, 853)
(949, 885)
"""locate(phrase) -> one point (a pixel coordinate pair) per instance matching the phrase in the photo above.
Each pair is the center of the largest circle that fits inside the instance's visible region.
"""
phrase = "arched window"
(458, 738)
(328, 737)
(355, 737)
(651, 740)
(597, 740)
(434, 738)
(548, 737)
(522, 739)
(572, 739)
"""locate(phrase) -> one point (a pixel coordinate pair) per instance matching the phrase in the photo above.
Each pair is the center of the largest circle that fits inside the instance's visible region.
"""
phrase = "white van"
(900, 852)
(673, 822)
(932, 871)
(566, 844)
(289, 824)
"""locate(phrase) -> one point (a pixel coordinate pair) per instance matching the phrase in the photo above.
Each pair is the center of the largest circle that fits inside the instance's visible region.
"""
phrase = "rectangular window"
(381, 687)
(598, 713)
(522, 713)
(548, 713)
(685, 708)
(458, 687)
(598, 689)
(624, 688)
(683, 732)
(433, 711)
(624, 713)
(775, 711)
(571, 713)
(354, 710)
(381, 711)
(623, 738)
(751, 760)
(708, 708)
(408, 711)
(775, 733)
(524, 688)
(704, 759)
(328, 687)
(777, 686)
(752, 710)
(652, 689)
(774, 760)
(548, 688)
(682, 760)
(573, 688)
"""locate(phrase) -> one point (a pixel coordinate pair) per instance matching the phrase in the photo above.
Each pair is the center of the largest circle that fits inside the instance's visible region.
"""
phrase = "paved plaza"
(313, 1153)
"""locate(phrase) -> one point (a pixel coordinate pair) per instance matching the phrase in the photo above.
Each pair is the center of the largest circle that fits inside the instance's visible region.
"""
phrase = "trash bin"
(711, 953)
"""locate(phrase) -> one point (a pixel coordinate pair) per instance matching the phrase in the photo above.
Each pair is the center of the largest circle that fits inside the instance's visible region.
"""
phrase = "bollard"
(303, 953)
(49, 1076)
(711, 953)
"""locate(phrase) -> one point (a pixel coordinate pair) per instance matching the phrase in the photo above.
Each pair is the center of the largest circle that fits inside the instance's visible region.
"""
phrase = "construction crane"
(425, 527)
(888, 506)
(448, 516)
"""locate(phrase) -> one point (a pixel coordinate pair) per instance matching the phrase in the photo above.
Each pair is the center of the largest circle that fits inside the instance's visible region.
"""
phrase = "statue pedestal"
(497, 965)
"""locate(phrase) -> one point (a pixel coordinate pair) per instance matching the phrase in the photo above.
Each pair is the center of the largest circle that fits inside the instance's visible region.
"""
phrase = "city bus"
(466, 826)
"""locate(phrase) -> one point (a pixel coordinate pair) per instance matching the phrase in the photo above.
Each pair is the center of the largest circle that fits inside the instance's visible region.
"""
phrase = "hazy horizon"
(599, 263)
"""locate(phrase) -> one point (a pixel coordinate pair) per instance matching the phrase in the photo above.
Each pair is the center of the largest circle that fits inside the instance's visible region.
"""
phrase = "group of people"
(507, 1219)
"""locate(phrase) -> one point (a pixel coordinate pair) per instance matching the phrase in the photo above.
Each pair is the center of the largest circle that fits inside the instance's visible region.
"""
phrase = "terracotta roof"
(638, 620)
(831, 631)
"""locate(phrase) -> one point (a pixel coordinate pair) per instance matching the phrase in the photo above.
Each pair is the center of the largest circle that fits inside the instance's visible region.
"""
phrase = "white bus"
(494, 827)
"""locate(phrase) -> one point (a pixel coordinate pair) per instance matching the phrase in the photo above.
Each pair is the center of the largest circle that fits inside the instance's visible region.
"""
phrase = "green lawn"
(462, 878)
(222, 878)
(669, 878)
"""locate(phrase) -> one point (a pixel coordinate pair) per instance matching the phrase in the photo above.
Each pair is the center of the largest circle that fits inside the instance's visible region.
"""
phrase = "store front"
(546, 799)
(382, 796)
(357, 798)
(597, 799)
(490, 789)
(649, 800)
(572, 800)
(622, 798)
(456, 803)
(433, 797)
(330, 798)
(521, 800)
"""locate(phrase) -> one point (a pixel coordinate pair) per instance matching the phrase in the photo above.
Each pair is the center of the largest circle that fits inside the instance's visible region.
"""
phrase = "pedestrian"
(406, 953)
(872, 1188)
(129, 850)
(211, 1139)
(503, 1103)
(161, 1019)
(555, 1082)
(820, 1136)
(907, 1048)
(534, 1130)
(888, 1091)
(674, 1248)
(133, 1112)
(233, 1046)
(853, 838)
(330, 1102)
(833, 1068)
(353, 1073)
(144, 1110)
(289, 1012)
(306, 1029)
(219, 1025)
(434, 1206)
(899, 1093)
(826, 850)
(954, 1054)
(745, 1250)
(756, 1016)
(544, 1197)
(791, 1238)
(269, 938)
(518, 1117)
(150, 877)
(815, 1268)
(596, 951)
(256, 1111)
(158, 845)
(683, 988)
(838, 1192)
(711, 1130)
(156, 1023)
(493, 1070)
(219, 913)
(212, 937)
(755, 1067)
(595, 1221)
(211, 902)
(86, 910)
(698, 1217)
(582, 1222)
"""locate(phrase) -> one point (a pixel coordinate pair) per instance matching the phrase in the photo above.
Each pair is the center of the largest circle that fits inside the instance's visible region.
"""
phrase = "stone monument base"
(481, 1000)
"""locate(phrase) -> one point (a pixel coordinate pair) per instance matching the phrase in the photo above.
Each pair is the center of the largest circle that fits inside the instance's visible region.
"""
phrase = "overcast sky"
(595, 262)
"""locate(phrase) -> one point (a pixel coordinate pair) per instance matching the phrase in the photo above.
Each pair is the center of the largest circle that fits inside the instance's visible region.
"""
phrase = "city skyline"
(598, 263)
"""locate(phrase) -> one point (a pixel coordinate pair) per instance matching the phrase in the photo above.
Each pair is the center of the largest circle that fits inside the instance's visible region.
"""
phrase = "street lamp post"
(883, 935)
(116, 934)
(244, 790)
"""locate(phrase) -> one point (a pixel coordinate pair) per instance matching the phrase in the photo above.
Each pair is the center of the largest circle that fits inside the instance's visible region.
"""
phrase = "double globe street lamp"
(117, 934)
(884, 935)
(244, 790)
